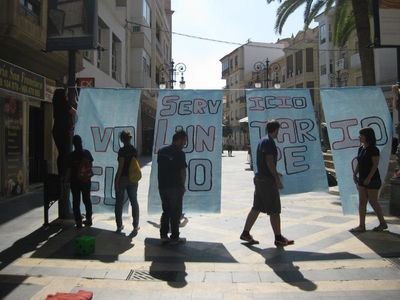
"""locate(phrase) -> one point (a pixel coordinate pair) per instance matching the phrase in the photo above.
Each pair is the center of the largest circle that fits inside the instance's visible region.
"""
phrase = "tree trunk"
(360, 9)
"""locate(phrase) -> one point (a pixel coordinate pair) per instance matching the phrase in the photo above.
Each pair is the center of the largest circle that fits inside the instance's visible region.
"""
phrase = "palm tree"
(346, 20)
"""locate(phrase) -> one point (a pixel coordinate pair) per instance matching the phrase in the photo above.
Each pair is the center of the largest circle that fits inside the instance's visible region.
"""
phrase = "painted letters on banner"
(102, 115)
(347, 110)
(299, 148)
(199, 113)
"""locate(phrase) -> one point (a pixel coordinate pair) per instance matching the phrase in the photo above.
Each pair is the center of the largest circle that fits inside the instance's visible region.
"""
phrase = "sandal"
(381, 227)
(358, 229)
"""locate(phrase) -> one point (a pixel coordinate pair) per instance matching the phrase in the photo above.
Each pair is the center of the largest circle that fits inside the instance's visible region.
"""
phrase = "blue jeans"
(172, 211)
(131, 188)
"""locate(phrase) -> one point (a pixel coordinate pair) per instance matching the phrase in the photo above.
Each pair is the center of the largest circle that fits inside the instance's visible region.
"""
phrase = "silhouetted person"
(63, 114)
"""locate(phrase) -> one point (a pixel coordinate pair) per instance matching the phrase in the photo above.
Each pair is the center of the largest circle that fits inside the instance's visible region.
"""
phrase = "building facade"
(133, 40)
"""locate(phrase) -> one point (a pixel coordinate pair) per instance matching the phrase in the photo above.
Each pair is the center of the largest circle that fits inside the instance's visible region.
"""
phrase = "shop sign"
(21, 81)
(86, 82)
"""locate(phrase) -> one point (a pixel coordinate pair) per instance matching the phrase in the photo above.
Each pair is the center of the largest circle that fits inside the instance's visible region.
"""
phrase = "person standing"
(369, 180)
(171, 184)
(63, 114)
(267, 184)
(229, 143)
(123, 184)
(77, 186)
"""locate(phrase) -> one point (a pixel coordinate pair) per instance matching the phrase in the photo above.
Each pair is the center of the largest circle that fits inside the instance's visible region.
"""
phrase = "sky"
(234, 21)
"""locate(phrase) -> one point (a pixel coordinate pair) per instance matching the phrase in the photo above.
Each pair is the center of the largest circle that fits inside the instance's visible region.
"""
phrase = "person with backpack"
(123, 182)
(78, 174)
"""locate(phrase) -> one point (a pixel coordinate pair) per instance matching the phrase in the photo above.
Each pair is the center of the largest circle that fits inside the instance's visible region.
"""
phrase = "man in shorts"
(267, 184)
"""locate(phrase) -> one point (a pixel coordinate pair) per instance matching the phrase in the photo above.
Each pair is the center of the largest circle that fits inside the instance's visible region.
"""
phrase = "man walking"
(171, 184)
(267, 184)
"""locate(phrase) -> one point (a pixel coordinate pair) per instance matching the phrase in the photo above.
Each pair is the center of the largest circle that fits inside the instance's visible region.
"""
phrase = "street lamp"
(172, 70)
(260, 66)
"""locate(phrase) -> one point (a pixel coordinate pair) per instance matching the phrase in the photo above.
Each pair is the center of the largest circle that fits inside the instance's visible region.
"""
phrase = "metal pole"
(267, 68)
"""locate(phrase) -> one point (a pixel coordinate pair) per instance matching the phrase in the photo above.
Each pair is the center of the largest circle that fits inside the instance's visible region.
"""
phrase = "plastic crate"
(85, 245)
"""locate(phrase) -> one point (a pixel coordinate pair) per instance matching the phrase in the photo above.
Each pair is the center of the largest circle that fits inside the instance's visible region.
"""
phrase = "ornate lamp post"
(338, 78)
(260, 66)
(172, 70)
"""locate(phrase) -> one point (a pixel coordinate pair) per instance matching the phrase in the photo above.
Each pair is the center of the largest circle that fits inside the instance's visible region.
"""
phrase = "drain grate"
(152, 275)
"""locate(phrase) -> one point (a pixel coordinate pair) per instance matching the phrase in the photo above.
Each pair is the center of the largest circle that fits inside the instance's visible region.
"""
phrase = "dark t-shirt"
(74, 160)
(127, 152)
(265, 147)
(171, 160)
(364, 159)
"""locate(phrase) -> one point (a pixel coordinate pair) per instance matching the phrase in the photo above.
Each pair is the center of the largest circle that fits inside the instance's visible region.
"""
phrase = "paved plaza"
(326, 261)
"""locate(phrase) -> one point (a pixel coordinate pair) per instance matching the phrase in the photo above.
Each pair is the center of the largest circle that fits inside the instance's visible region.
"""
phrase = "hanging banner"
(347, 110)
(199, 113)
(300, 157)
(102, 115)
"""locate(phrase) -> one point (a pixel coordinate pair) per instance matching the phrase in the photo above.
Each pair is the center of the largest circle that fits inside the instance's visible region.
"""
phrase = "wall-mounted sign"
(86, 82)
(21, 81)
(72, 25)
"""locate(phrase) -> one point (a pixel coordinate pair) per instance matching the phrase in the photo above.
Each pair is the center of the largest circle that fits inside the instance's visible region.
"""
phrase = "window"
(236, 78)
(116, 64)
(236, 60)
(356, 47)
(309, 60)
(99, 52)
(237, 96)
(231, 63)
(31, 9)
(146, 12)
(289, 64)
(225, 67)
(299, 62)
(323, 69)
(322, 34)
(330, 33)
(146, 63)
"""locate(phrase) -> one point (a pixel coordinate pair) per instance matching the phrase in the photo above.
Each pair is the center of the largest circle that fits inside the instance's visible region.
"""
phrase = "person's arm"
(72, 111)
(356, 170)
(121, 161)
(271, 166)
(183, 178)
(375, 164)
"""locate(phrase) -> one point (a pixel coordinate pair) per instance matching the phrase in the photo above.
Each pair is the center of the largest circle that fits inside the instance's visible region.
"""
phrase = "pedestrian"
(123, 184)
(267, 184)
(369, 180)
(77, 186)
(229, 143)
(171, 184)
(63, 114)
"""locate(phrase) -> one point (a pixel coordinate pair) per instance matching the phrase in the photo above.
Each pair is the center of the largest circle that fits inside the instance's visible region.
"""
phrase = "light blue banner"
(347, 110)
(102, 115)
(300, 157)
(199, 113)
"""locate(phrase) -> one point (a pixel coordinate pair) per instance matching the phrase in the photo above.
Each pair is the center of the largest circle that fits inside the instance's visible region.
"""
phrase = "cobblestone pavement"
(326, 261)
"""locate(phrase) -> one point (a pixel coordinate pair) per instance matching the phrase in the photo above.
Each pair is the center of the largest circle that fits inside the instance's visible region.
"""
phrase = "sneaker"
(165, 239)
(177, 241)
(78, 225)
(88, 223)
(283, 241)
(120, 228)
(249, 239)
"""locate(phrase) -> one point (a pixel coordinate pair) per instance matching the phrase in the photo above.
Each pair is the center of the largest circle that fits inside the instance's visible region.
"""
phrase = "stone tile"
(218, 277)
(245, 277)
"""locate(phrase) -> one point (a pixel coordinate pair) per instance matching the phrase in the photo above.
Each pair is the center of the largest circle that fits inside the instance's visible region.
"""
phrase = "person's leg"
(275, 220)
(175, 211)
(165, 216)
(61, 139)
(119, 201)
(373, 200)
(362, 206)
(75, 190)
(132, 194)
(87, 201)
(251, 219)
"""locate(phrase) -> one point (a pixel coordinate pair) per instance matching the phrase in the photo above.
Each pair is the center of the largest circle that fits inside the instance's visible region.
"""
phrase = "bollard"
(394, 201)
